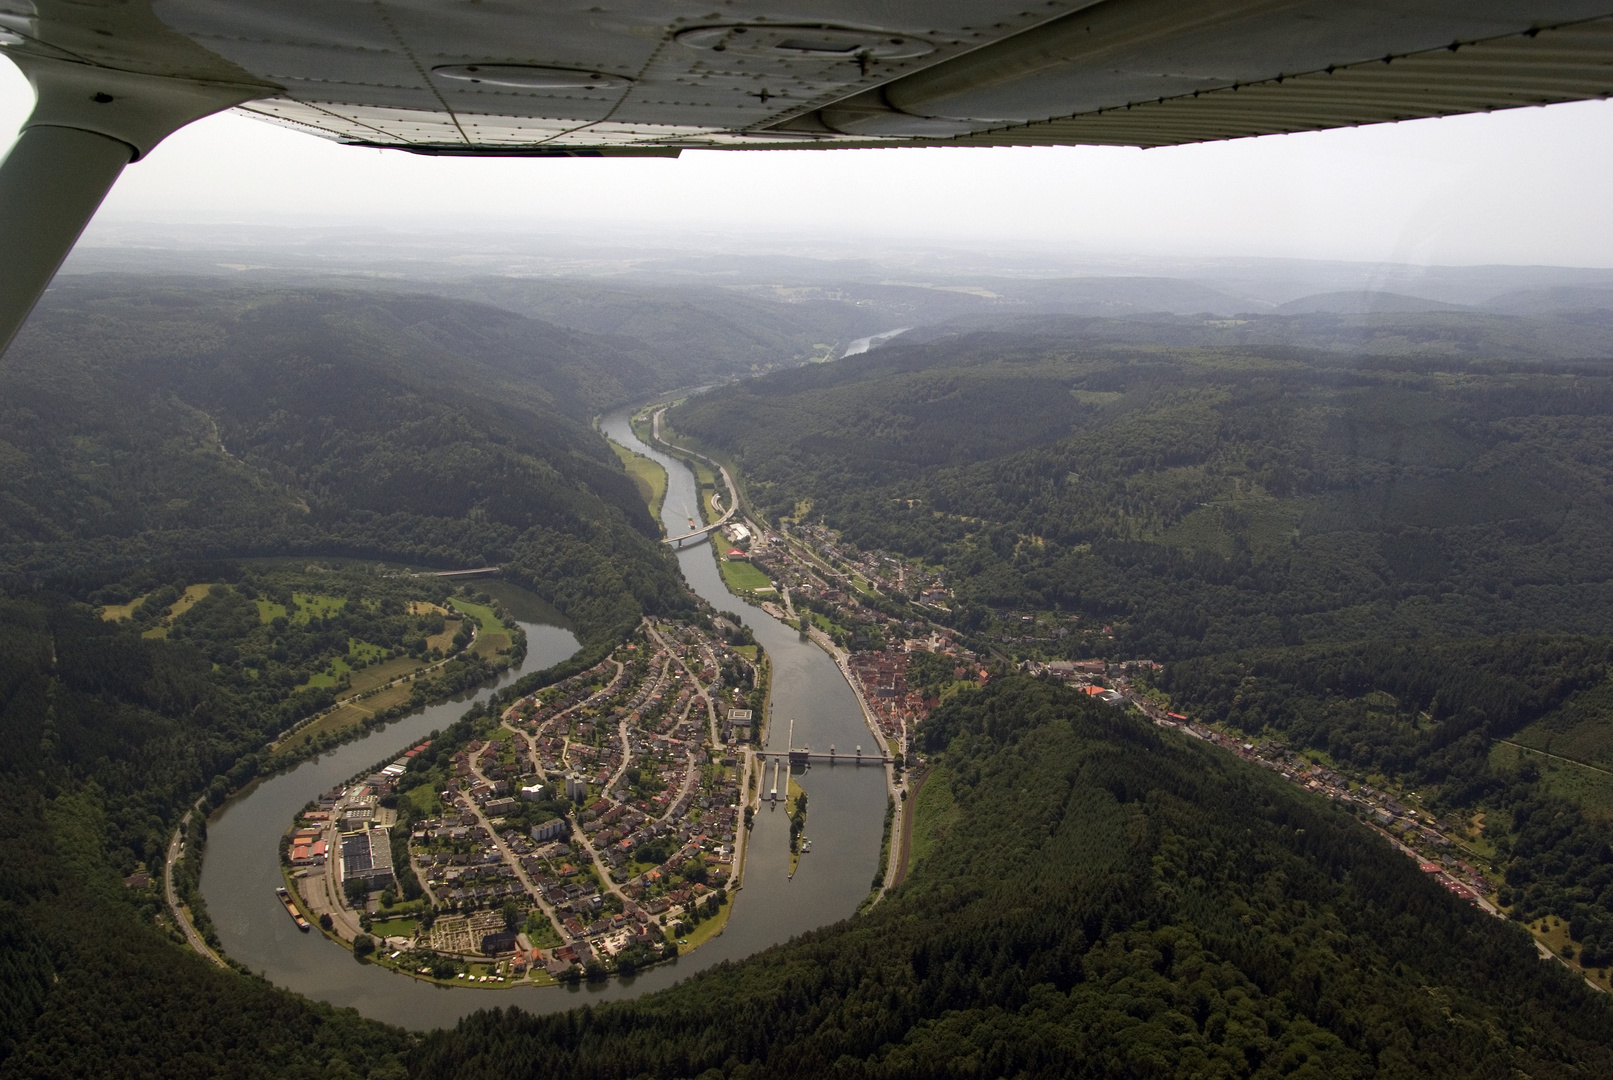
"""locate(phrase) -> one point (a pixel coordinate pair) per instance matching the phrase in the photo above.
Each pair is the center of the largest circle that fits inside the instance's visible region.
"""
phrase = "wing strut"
(88, 123)
(50, 185)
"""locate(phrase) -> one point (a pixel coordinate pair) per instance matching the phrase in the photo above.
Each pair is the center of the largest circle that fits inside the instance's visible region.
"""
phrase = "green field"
(424, 799)
(336, 720)
(353, 713)
(1575, 744)
(541, 932)
(823, 622)
(311, 606)
(338, 667)
(648, 476)
(741, 576)
(707, 930)
(934, 814)
(1590, 787)
(1582, 730)
(114, 612)
(363, 650)
(483, 614)
(394, 927)
(494, 638)
(710, 486)
(269, 611)
(192, 594)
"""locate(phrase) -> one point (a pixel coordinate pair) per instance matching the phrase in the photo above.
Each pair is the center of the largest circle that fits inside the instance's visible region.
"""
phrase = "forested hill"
(701, 334)
(1448, 718)
(144, 421)
(1201, 499)
(1574, 333)
(1092, 898)
(105, 736)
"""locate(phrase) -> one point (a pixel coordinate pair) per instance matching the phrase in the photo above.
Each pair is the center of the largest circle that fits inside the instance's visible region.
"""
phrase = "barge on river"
(291, 909)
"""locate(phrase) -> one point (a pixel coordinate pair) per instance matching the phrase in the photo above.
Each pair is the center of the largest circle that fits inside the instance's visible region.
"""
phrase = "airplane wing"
(655, 77)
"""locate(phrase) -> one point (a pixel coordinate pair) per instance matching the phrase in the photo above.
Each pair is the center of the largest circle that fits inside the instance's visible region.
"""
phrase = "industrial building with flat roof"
(367, 856)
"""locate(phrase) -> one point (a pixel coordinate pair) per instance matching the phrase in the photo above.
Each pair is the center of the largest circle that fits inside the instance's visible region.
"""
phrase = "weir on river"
(241, 868)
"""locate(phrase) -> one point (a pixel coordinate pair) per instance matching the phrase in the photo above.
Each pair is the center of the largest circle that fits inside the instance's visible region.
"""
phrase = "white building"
(576, 787)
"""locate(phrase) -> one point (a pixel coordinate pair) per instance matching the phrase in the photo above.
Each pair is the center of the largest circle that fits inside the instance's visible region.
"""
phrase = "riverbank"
(392, 683)
(894, 747)
(803, 685)
(622, 770)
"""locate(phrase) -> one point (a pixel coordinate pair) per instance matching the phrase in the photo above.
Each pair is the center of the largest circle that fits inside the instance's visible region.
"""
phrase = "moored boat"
(291, 909)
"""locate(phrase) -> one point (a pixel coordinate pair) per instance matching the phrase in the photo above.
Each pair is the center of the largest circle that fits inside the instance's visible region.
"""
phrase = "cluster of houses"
(887, 572)
(623, 745)
(882, 677)
(1417, 834)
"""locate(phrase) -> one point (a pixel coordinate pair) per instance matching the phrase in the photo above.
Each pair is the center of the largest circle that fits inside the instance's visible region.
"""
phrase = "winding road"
(175, 849)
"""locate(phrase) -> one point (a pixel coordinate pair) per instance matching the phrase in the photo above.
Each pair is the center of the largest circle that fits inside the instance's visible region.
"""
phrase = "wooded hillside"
(1201, 499)
(146, 422)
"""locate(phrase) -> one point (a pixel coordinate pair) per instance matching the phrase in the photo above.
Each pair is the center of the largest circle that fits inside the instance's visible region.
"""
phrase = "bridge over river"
(805, 756)
(733, 489)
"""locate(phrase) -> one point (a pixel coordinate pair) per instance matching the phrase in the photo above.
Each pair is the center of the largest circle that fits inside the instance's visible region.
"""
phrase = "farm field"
(494, 637)
(741, 576)
(1587, 785)
(648, 477)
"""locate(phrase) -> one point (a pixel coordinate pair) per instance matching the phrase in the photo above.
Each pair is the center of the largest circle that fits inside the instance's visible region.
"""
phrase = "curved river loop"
(847, 809)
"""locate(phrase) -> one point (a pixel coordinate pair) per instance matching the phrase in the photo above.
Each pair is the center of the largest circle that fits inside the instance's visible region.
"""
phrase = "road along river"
(845, 819)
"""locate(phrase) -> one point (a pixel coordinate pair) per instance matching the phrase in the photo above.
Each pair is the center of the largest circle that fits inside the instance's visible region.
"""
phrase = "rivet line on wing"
(425, 77)
(666, 39)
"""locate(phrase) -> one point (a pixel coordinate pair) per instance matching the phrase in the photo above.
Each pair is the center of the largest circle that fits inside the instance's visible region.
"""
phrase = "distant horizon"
(104, 232)
(612, 255)
(1519, 187)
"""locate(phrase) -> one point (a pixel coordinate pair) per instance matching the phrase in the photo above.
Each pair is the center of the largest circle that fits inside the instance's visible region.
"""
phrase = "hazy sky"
(1525, 186)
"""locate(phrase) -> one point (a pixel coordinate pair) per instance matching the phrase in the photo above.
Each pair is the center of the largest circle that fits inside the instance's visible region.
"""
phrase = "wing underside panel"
(656, 76)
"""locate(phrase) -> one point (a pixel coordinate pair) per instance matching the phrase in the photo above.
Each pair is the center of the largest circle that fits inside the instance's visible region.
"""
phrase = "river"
(872, 341)
(845, 816)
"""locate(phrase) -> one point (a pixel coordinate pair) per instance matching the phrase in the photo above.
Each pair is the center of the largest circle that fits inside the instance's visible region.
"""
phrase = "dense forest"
(143, 422)
(104, 736)
(1201, 498)
(1093, 898)
(1428, 714)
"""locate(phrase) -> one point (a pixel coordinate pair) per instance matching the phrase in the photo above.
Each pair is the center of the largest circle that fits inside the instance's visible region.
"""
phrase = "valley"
(1130, 686)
